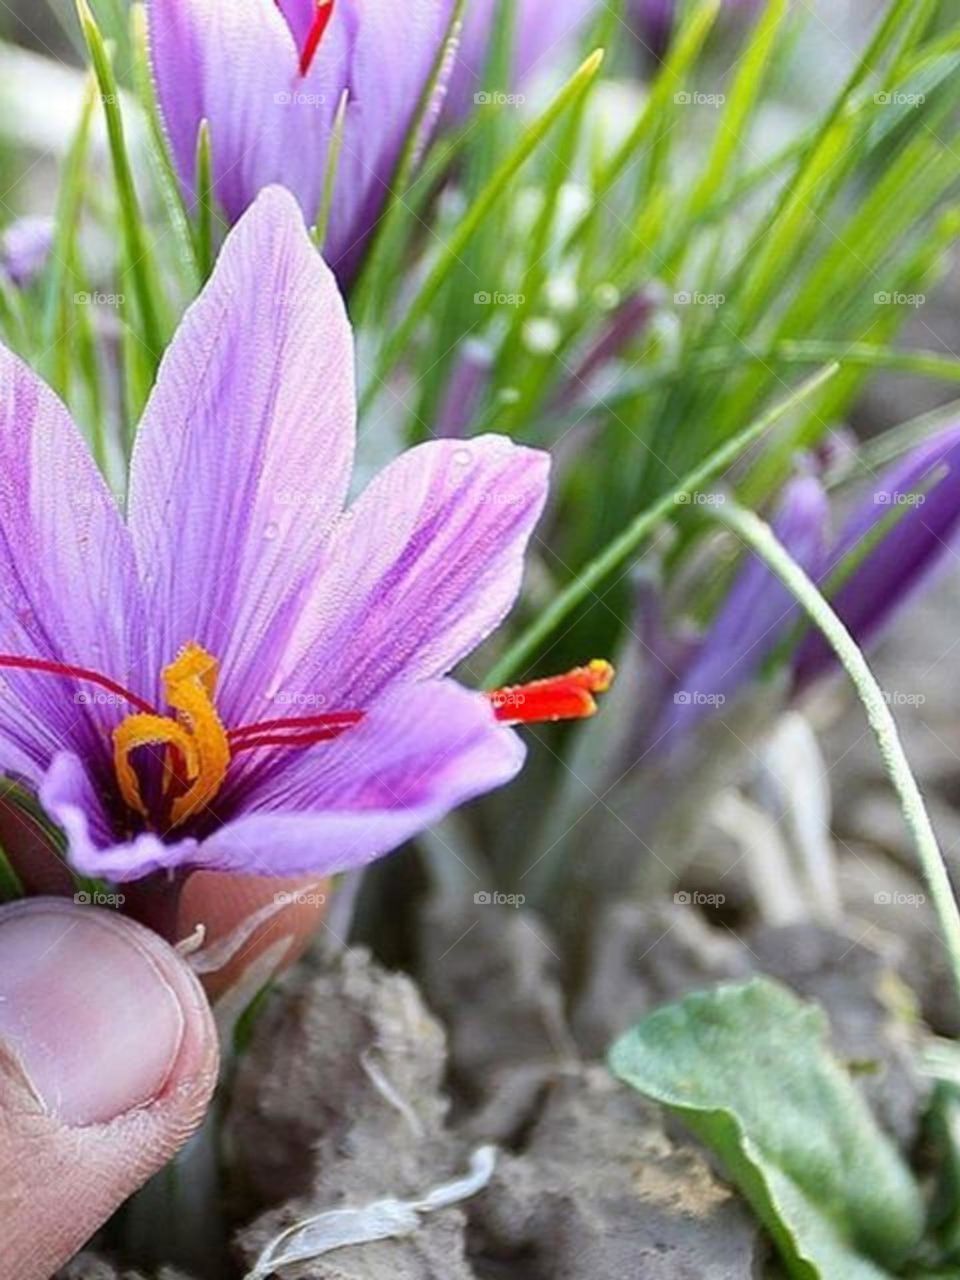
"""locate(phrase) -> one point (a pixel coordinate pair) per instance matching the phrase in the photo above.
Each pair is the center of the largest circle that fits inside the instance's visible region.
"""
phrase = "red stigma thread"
(323, 14)
(85, 676)
(566, 697)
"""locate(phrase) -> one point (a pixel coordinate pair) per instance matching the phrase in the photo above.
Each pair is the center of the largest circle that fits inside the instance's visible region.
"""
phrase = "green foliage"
(747, 1069)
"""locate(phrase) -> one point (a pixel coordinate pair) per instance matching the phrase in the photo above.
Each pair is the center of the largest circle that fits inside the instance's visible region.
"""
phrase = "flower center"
(197, 747)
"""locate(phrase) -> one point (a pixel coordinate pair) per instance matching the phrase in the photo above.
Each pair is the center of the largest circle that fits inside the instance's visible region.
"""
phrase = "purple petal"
(755, 616)
(392, 51)
(73, 800)
(542, 30)
(421, 751)
(921, 539)
(242, 463)
(420, 570)
(225, 61)
(236, 63)
(68, 586)
(25, 248)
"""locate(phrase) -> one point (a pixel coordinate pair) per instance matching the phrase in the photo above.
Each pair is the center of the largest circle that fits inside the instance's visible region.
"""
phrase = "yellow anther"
(198, 751)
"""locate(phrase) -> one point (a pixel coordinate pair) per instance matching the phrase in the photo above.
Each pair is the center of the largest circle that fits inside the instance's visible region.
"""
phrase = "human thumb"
(108, 1059)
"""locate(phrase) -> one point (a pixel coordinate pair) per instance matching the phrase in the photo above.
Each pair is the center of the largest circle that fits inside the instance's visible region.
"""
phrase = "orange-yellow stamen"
(198, 750)
(566, 697)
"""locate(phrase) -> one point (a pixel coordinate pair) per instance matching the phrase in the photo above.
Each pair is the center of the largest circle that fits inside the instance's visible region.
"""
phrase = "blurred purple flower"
(753, 618)
(921, 496)
(241, 583)
(268, 75)
(905, 528)
(25, 247)
(541, 29)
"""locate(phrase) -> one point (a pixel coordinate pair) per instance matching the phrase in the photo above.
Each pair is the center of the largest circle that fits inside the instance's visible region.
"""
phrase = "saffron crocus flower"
(753, 619)
(268, 75)
(541, 30)
(247, 674)
(25, 248)
(920, 498)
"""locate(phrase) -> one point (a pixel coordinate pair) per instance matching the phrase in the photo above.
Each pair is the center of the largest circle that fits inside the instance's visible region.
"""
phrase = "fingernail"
(86, 1009)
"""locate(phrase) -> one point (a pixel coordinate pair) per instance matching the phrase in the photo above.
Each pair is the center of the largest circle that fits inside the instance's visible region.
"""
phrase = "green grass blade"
(146, 287)
(489, 197)
(626, 543)
(206, 200)
(167, 179)
(330, 171)
(759, 537)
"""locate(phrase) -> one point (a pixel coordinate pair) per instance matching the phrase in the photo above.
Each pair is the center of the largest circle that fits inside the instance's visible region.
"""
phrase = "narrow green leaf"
(626, 543)
(205, 200)
(57, 319)
(487, 200)
(147, 289)
(330, 171)
(11, 886)
(759, 537)
(168, 181)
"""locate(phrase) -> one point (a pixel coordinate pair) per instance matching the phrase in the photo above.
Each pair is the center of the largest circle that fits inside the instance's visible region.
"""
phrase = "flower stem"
(759, 537)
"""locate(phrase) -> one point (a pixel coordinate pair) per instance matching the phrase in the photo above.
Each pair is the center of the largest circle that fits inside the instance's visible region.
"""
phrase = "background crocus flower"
(541, 30)
(268, 75)
(752, 620)
(247, 674)
(25, 247)
(920, 497)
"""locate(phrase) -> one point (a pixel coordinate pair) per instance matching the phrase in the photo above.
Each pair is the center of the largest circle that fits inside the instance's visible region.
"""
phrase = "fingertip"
(108, 1060)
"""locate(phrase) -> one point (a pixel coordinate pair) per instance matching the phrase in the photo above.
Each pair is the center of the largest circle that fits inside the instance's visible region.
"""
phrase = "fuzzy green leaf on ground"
(748, 1070)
